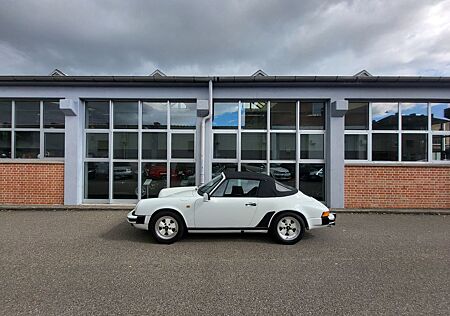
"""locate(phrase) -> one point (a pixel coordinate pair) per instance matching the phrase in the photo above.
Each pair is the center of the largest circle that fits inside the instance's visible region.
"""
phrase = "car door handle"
(250, 204)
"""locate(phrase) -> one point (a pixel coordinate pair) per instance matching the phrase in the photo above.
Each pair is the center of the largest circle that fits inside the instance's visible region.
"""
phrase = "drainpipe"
(202, 136)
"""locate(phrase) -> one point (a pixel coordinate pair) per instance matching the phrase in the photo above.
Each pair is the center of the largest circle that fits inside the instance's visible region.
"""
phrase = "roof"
(229, 174)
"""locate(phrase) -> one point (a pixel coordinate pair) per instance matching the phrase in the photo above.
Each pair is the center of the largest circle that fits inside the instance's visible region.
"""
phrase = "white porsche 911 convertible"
(232, 202)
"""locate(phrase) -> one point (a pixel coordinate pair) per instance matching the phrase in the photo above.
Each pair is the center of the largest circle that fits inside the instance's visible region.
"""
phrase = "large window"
(397, 131)
(276, 137)
(135, 148)
(31, 129)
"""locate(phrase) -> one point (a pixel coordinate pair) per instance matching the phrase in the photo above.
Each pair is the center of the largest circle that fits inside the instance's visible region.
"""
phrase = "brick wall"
(397, 187)
(31, 183)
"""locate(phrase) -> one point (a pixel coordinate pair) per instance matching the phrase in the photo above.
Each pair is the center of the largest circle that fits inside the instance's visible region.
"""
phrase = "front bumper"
(132, 218)
(329, 220)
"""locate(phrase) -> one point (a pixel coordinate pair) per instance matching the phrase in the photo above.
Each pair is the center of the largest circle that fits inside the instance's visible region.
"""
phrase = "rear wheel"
(288, 228)
(166, 227)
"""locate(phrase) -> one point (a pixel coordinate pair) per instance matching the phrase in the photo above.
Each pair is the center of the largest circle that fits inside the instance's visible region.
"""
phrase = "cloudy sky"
(233, 37)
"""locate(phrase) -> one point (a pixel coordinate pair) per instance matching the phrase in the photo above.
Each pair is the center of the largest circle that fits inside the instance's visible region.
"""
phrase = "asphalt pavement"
(82, 262)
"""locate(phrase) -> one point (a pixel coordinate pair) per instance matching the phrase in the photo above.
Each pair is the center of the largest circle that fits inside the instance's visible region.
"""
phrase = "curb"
(394, 211)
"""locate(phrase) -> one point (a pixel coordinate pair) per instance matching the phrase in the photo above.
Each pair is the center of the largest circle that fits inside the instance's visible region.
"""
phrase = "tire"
(287, 228)
(166, 227)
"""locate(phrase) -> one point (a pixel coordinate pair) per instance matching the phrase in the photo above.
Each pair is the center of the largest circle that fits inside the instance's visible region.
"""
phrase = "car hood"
(178, 192)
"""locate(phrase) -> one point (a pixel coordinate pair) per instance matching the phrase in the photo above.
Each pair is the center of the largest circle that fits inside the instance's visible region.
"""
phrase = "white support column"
(334, 170)
(73, 166)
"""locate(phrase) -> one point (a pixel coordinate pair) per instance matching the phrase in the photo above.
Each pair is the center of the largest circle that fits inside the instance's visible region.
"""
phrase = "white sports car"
(231, 202)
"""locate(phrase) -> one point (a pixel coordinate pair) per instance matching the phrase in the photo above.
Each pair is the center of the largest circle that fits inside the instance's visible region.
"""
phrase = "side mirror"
(205, 197)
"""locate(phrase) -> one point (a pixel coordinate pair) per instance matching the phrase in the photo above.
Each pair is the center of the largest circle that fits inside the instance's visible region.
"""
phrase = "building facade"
(355, 142)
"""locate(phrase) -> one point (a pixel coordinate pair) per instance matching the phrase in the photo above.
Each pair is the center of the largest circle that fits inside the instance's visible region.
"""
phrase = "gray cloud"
(225, 37)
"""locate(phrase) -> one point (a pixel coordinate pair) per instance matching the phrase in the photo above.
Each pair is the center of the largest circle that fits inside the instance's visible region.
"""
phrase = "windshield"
(207, 187)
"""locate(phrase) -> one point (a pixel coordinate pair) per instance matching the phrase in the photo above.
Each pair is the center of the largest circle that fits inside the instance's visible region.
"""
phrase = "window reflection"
(440, 116)
(125, 145)
(414, 116)
(183, 115)
(254, 115)
(312, 180)
(254, 167)
(182, 145)
(154, 115)
(385, 147)
(125, 114)
(414, 147)
(154, 145)
(311, 146)
(182, 174)
(154, 178)
(282, 146)
(96, 180)
(97, 114)
(225, 115)
(356, 147)
(54, 144)
(283, 115)
(5, 144)
(218, 168)
(224, 145)
(357, 116)
(441, 147)
(27, 114)
(253, 146)
(384, 116)
(312, 115)
(5, 114)
(53, 116)
(97, 145)
(125, 184)
(283, 172)
(27, 145)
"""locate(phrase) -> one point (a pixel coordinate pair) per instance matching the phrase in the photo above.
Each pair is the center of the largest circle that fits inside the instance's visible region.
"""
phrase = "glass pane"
(440, 116)
(125, 184)
(237, 188)
(312, 180)
(414, 116)
(97, 145)
(225, 115)
(183, 115)
(254, 115)
(441, 147)
(385, 147)
(125, 145)
(284, 172)
(356, 147)
(182, 174)
(282, 146)
(312, 115)
(218, 168)
(5, 113)
(357, 116)
(414, 147)
(5, 144)
(125, 114)
(224, 145)
(27, 145)
(154, 115)
(54, 144)
(182, 145)
(96, 180)
(384, 116)
(154, 179)
(154, 145)
(27, 114)
(53, 116)
(97, 114)
(311, 146)
(253, 146)
(254, 167)
(282, 115)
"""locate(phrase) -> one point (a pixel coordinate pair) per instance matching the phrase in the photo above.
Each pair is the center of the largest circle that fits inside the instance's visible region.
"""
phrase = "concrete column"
(334, 153)
(73, 167)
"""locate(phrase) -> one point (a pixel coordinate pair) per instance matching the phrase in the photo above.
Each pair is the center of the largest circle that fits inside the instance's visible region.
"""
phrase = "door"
(232, 205)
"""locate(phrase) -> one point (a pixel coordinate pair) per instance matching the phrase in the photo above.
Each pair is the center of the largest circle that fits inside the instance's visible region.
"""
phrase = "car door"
(232, 205)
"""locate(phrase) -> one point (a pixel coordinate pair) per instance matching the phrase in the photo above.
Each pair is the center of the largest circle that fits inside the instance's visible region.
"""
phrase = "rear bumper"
(329, 220)
(132, 218)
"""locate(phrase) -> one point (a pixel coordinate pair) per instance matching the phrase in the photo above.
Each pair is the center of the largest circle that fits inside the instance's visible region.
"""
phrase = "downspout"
(202, 136)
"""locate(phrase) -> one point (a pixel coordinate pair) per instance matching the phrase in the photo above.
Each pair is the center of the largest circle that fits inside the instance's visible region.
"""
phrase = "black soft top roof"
(266, 187)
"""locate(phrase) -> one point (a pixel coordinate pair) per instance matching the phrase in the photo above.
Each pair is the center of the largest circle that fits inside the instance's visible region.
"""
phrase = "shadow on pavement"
(124, 231)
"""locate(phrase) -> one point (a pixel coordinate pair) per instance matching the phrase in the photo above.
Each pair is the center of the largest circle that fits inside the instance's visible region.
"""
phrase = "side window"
(237, 188)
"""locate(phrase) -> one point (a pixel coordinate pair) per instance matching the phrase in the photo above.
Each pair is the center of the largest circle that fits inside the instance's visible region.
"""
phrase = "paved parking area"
(64, 263)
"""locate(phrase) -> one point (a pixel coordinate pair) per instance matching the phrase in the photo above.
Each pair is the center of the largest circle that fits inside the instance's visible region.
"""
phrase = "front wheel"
(288, 228)
(166, 227)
